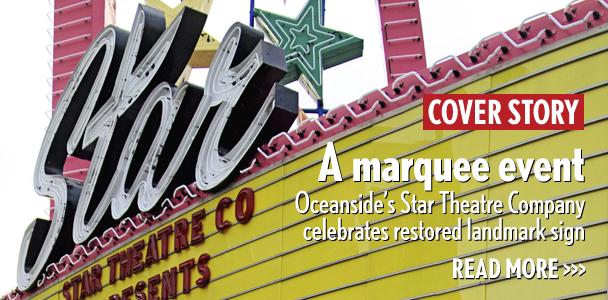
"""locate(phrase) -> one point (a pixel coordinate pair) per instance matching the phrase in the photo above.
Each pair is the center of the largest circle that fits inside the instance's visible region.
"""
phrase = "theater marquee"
(144, 136)
(190, 190)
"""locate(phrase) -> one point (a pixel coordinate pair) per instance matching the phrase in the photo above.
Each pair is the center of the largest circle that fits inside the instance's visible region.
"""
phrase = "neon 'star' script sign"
(144, 136)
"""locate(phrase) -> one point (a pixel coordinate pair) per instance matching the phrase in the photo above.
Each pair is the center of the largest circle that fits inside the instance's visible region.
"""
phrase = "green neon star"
(301, 39)
(309, 46)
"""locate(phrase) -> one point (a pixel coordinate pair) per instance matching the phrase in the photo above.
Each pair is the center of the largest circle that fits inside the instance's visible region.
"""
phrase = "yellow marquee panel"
(268, 257)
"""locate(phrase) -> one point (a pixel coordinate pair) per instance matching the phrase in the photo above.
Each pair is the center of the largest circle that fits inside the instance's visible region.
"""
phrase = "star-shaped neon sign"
(207, 45)
(302, 39)
(309, 46)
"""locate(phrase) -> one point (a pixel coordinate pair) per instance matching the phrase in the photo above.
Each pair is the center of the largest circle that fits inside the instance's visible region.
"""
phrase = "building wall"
(75, 24)
(268, 258)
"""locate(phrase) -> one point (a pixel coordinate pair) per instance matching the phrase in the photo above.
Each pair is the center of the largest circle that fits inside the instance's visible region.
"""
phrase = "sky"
(449, 27)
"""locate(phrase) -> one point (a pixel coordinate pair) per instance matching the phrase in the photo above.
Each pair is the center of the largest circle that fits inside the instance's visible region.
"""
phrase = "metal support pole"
(319, 110)
(322, 12)
(252, 12)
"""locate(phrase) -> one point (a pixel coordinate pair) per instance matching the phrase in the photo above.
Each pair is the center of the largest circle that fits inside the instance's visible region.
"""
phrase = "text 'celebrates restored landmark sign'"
(144, 136)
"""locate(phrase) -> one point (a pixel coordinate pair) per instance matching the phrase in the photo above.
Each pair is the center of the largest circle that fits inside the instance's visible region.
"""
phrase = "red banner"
(503, 112)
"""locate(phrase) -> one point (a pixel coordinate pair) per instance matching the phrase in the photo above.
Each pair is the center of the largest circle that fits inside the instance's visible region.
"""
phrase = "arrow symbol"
(566, 269)
(574, 270)
(582, 269)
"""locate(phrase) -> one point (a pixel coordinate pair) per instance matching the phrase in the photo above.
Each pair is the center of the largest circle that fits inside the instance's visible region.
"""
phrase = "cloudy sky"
(450, 27)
